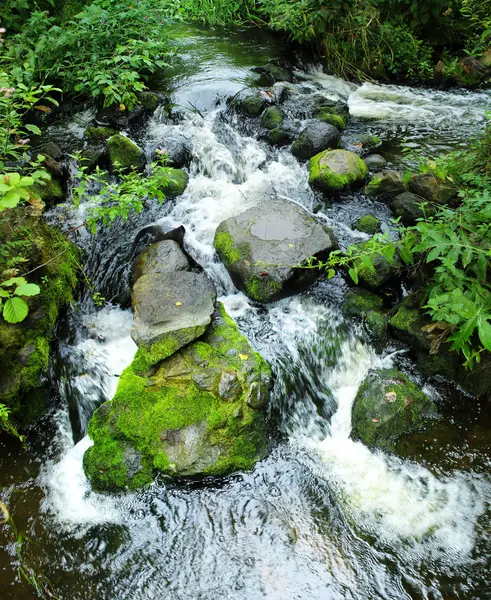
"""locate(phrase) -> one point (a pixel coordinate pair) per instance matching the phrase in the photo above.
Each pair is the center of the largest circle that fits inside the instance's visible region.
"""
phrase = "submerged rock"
(432, 188)
(199, 412)
(336, 171)
(272, 118)
(315, 137)
(263, 246)
(389, 406)
(124, 154)
(171, 310)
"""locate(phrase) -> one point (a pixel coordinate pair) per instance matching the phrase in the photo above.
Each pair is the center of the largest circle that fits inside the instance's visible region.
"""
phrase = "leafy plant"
(6, 424)
(12, 294)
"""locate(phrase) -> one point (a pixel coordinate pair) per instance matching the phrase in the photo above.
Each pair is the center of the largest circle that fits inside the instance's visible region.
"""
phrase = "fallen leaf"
(178, 303)
(243, 356)
(375, 420)
(42, 108)
(122, 107)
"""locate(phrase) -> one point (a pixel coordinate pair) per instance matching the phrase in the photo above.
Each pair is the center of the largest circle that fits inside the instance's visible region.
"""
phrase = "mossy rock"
(272, 118)
(387, 183)
(99, 134)
(148, 100)
(280, 136)
(177, 182)
(199, 412)
(124, 154)
(315, 137)
(250, 103)
(361, 304)
(368, 224)
(25, 346)
(336, 171)
(375, 270)
(389, 406)
(327, 115)
(432, 188)
(407, 325)
(50, 190)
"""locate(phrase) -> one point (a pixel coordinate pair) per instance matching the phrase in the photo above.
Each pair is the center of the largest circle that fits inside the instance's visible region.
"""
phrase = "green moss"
(177, 182)
(364, 305)
(253, 104)
(407, 325)
(124, 154)
(148, 100)
(328, 116)
(99, 134)
(388, 406)
(148, 356)
(262, 289)
(25, 347)
(226, 249)
(373, 186)
(151, 411)
(368, 224)
(375, 270)
(272, 118)
(370, 141)
(280, 136)
(336, 170)
(50, 190)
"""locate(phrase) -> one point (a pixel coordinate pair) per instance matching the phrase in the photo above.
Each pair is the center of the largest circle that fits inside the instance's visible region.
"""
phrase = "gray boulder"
(171, 310)
(165, 256)
(315, 137)
(263, 246)
(407, 207)
(178, 151)
(375, 162)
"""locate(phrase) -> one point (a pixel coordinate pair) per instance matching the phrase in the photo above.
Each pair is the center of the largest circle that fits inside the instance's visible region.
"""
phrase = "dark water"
(322, 517)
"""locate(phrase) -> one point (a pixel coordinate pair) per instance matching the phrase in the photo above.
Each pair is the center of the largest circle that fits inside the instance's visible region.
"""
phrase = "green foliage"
(6, 424)
(118, 199)
(12, 292)
(107, 50)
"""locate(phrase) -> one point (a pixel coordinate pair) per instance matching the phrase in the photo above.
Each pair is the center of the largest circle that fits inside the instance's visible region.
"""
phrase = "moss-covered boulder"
(360, 304)
(387, 183)
(124, 154)
(336, 171)
(25, 346)
(280, 136)
(49, 189)
(368, 224)
(432, 188)
(263, 247)
(272, 118)
(99, 134)
(315, 137)
(177, 182)
(374, 270)
(199, 412)
(251, 102)
(389, 406)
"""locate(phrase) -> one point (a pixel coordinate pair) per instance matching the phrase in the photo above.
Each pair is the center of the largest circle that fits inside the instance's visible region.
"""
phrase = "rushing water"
(322, 517)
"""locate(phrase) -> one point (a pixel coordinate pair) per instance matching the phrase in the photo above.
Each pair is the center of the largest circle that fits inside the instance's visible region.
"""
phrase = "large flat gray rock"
(263, 246)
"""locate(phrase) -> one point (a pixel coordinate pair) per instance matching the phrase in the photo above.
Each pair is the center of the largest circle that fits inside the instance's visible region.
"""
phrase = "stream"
(322, 517)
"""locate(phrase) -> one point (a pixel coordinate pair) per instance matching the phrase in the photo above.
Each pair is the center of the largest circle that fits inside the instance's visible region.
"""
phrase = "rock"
(171, 310)
(162, 257)
(387, 183)
(336, 171)
(389, 406)
(176, 183)
(50, 190)
(271, 73)
(178, 151)
(272, 118)
(323, 105)
(327, 115)
(315, 137)
(51, 149)
(485, 59)
(379, 271)
(262, 247)
(251, 103)
(368, 224)
(375, 162)
(196, 413)
(369, 142)
(148, 101)
(125, 154)
(99, 134)
(407, 207)
(93, 156)
(54, 167)
(280, 136)
(407, 325)
(155, 232)
(433, 189)
(361, 304)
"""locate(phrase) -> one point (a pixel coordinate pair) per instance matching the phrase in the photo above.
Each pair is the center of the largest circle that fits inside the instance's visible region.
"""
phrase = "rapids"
(322, 517)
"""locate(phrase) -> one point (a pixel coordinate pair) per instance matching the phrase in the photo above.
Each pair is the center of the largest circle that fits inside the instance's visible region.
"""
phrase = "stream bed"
(322, 517)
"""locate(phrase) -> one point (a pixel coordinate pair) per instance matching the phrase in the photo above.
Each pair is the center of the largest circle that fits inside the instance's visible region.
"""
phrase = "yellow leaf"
(122, 107)
(243, 356)
(178, 303)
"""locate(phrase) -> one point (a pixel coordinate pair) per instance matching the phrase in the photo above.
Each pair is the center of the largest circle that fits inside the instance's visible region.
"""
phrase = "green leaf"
(13, 281)
(484, 331)
(15, 310)
(354, 275)
(33, 129)
(4, 293)
(27, 289)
